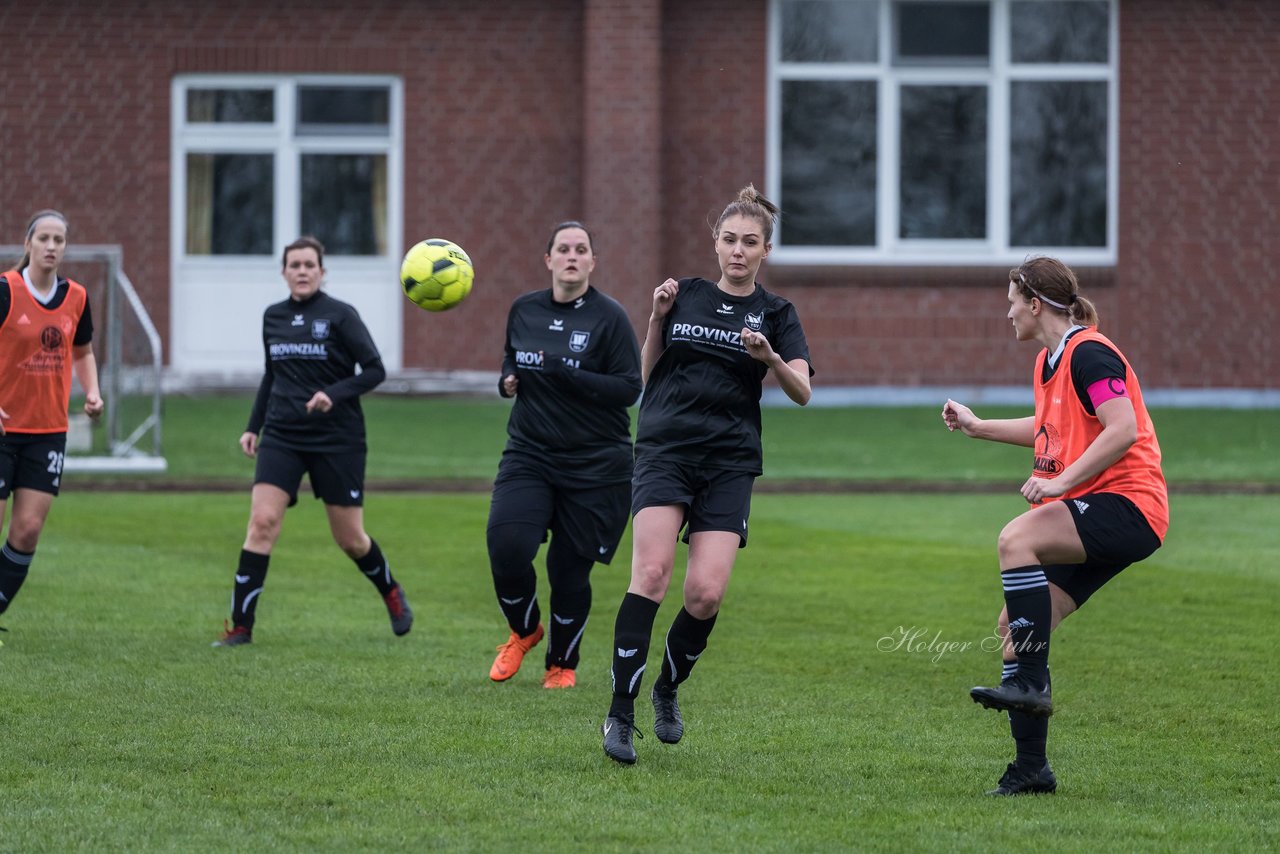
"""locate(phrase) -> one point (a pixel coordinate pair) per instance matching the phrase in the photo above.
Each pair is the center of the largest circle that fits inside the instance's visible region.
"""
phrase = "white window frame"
(890, 249)
(367, 281)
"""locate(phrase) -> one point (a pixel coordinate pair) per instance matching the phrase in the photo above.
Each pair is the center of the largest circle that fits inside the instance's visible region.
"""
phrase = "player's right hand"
(957, 416)
(249, 443)
(664, 296)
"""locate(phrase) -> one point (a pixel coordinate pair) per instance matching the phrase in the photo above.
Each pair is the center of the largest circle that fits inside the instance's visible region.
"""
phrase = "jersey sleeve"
(619, 383)
(359, 343)
(1090, 362)
(789, 340)
(508, 353)
(84, 327)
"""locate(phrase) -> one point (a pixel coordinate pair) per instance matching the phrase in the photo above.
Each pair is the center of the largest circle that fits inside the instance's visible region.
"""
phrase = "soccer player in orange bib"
(46, 332)
(1097, 494)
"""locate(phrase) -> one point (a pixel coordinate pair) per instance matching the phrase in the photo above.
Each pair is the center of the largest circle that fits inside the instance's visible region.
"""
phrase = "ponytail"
(1054, 284)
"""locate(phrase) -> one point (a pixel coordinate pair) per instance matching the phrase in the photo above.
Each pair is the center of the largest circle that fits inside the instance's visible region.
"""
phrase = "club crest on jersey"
(755, 321)
(578, 340)
(320, 329)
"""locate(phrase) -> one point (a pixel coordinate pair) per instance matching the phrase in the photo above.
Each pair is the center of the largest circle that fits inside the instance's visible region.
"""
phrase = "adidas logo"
(24, 321)
(1081, 506)
(627, 653)
(1021, 623)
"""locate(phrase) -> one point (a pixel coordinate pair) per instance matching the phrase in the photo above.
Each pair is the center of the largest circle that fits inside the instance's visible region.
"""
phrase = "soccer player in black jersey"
(46, 334)
(708, 348)
(1098, 497)
(573, 366)
(308, 416)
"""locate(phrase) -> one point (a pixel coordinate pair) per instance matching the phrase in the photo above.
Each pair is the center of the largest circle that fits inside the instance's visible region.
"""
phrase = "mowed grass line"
(433, 438)
(809, 727)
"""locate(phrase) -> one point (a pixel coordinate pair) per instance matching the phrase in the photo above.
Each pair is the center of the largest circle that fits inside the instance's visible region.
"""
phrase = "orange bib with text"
(36, 357)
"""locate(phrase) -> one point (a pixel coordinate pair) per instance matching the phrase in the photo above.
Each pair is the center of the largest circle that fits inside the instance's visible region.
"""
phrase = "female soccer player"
(46, 332)
(309, 417)
(573, 366)
(1097, 495)
(708, 348)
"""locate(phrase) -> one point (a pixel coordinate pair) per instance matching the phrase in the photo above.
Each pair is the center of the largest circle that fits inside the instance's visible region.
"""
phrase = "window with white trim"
(267, 159)
(947, 131)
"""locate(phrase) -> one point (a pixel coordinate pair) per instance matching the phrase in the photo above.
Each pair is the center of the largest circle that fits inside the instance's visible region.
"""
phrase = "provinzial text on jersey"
(304, 350)
(709, 333)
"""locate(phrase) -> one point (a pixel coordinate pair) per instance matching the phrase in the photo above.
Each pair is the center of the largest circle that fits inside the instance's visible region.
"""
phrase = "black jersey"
(1092, 361)
(311, 346)
(579, 369)
(702, 401)
(84, 327)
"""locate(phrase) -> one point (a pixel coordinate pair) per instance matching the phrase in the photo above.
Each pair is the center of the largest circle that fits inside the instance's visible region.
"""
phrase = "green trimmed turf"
(125, 731)
(416, 438)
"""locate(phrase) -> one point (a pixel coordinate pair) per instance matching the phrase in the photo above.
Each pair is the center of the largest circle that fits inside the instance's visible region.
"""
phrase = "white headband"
(1040, 296)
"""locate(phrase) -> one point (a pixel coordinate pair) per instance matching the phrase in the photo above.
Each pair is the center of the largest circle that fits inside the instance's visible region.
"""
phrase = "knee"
(22, 537)
(702, 602)
(649, 579)
(264, 527)
(512, 548)
(1010, 545)
(354, 545)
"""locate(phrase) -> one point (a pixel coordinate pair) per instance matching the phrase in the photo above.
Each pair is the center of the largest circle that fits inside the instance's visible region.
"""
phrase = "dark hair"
(752, 204)
(1055, 285)
(31, 229)
(304, 242)
(569, 223)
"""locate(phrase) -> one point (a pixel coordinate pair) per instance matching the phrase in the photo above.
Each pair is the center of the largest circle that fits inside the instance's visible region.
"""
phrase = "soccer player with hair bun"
(307, 419)
(708, 349)
(573, 366)
(1097, 494)
(46, 334)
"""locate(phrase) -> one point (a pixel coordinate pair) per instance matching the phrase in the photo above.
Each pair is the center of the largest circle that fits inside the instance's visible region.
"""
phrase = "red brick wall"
(645, 118)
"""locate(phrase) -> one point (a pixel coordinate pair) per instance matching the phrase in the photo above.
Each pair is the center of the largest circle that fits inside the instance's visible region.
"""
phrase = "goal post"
(130, 368)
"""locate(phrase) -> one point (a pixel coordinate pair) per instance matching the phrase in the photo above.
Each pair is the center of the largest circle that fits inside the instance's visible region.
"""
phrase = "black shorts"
(713, 499)
(31, 461)
(336, 478)
(591, 518)
(1115, 534)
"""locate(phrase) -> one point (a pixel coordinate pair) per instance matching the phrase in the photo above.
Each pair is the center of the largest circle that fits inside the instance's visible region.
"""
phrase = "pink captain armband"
(1104, 390)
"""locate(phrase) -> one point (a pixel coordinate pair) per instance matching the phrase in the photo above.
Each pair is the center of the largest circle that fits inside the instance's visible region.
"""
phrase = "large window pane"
(1058, 171)
(343, 109)
(344, 202)
(231, 105)
(1059, 31)
(229, 204)
(943, 185)
(942, 33)
(829, 163)
(830, 30)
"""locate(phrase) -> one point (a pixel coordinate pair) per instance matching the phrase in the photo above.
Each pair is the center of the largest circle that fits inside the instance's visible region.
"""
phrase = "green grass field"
(809, 726)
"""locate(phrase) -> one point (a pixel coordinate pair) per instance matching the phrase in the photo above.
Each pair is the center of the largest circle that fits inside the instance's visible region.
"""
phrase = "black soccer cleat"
(617, 730)
(668, 726)
(1015, 694)
(399, 611)
(1020, 781)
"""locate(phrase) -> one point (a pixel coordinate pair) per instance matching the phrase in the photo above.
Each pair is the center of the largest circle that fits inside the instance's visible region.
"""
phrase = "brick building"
(916, 155)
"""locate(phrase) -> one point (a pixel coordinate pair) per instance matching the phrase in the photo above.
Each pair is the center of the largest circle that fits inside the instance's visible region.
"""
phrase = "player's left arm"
(85, 365)
(356, 337)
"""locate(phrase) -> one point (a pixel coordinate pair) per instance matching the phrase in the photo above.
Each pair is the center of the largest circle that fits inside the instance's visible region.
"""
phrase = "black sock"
(14, 566)
(686, 639)
(376, 569)
(1026, 598)
(1030, 735)
(569, 612)
(511, 551)
(250, 577)
(631, 633)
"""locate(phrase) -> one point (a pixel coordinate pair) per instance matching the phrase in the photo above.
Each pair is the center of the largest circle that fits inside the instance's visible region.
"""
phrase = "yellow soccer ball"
(436, 274)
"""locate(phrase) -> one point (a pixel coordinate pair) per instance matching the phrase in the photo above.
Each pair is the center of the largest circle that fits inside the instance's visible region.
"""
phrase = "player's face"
(740, 247)
(47, 244)
(571, 259)
(1025, 324)
(303, 272)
